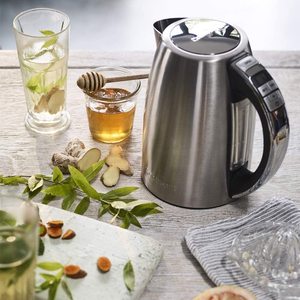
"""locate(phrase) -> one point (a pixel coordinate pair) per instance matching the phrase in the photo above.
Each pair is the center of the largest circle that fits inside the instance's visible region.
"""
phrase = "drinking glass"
(42, 39)
(18, 247)
(111, 110)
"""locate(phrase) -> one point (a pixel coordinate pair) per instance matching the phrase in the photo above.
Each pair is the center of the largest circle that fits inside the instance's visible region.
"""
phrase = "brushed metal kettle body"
(203, 91)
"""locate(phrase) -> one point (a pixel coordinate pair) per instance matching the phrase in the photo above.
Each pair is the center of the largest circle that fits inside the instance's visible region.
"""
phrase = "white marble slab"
(94, 239)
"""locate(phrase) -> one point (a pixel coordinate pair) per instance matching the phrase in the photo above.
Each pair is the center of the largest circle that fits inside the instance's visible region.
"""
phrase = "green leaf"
(49, 42)
(48, 277)
(133, 220)
(41, 176)
(41, 247)
(13, 180)
(66, 289)
(117, 193)
(57, 175)
(34, 184)
(103, 210)
(50, 266)
(47, 32)
(59, 275)
(31, 195)
(44, 286)
(82, 183)
(7, 219)
(53, 290)
(143, 210)
(83, 205)
(26, 190)
(68, 201)
(48, 198)
(128, 276)
(93, 170)
(126, 222)
(138, 203)
(34, 84)
(59, 189)
(30, 57)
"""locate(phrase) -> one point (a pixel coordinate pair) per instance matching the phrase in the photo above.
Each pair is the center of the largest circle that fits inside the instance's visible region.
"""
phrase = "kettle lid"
(204, 36)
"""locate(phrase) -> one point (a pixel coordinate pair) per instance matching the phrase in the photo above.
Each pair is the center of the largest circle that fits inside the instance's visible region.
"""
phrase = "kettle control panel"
(262, 81)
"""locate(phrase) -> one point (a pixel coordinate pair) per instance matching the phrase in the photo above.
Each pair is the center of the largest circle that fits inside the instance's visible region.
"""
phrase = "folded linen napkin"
(210, 243)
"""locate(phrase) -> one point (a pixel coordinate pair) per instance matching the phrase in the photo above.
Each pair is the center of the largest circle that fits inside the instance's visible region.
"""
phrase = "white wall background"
(120, 25)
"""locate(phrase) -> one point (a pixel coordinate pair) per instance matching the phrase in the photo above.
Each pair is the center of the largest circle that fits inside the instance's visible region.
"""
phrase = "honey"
(111, 121)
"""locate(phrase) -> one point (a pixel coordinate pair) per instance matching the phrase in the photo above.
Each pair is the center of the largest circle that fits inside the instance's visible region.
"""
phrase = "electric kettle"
(203, 93)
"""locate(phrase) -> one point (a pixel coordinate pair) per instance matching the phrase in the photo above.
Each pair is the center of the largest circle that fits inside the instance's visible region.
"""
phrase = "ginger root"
(76, 155)
(111, 176)
(116, 164)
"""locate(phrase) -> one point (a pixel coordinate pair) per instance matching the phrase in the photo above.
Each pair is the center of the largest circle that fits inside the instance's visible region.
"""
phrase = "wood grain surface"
(179, 275)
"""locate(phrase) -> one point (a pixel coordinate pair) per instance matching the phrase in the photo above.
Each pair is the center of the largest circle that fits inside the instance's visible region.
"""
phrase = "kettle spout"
(160, 25)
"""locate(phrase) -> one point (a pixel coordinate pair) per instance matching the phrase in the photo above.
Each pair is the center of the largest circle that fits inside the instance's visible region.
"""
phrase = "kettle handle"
(249, 79)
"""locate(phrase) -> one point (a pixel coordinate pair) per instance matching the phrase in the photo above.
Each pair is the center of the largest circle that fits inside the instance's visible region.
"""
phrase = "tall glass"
(18, 247)
(42, 38)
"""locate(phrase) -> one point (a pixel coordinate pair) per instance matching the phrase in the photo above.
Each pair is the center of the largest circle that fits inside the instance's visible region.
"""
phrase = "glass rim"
(40, 9)
(122, 99)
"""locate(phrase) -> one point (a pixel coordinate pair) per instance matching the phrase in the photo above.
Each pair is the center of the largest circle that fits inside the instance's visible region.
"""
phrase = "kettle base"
(172, 196)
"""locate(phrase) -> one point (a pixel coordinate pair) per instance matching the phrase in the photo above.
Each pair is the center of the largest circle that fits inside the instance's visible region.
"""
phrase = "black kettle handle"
(249, 79)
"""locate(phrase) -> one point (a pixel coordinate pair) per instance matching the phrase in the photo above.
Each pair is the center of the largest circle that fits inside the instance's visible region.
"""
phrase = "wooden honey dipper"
(93, 81)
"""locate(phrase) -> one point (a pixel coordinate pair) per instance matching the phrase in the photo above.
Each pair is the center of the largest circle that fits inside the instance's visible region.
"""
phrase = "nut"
(103, 264)
(55, 224)
(74, 271)
(54, 232)
(68, 235)
(42, 230)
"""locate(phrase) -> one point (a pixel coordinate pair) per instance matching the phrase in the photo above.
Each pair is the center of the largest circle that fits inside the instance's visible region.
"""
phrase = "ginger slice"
(42, 105)
(111, 176)
(56, 101)
(90, 157)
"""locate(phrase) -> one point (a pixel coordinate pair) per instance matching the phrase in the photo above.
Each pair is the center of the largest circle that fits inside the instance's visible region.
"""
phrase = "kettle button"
(246, 63)
(272, 84)
(267, 88)
(274, 100)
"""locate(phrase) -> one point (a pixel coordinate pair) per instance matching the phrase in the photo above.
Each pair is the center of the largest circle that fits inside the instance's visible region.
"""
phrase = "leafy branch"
(52, 281)
(78, 186)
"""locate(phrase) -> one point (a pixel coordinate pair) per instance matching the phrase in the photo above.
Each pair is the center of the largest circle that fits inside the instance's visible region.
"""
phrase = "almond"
(74, 271)
(54, 232)
(55, 224)
(103, 264)
(42, 230)
(68, 235)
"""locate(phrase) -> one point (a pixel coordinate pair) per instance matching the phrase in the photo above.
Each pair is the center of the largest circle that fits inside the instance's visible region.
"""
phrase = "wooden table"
(179, 275)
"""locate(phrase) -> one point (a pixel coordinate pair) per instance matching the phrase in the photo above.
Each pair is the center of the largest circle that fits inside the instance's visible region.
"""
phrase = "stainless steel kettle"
(203, 91)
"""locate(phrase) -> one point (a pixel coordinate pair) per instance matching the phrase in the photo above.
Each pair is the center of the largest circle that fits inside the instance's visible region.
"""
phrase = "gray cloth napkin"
(210, 243)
